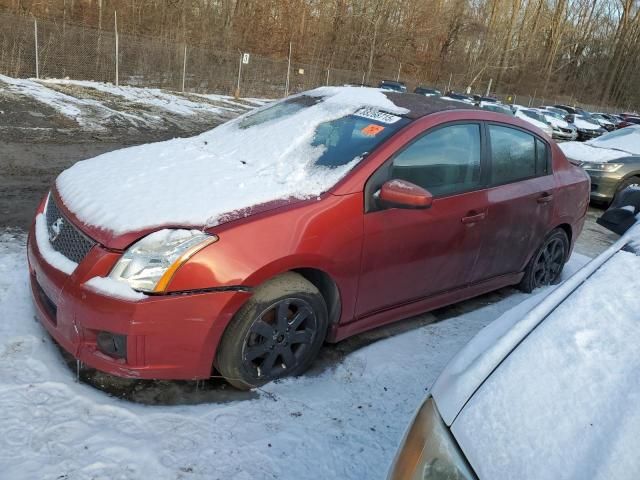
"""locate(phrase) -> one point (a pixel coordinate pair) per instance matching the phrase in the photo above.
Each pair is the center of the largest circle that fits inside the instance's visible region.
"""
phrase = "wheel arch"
(328, 289)
(567, 229)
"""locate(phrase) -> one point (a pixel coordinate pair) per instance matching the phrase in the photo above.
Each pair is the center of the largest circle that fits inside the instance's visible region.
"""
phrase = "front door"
(411, 254)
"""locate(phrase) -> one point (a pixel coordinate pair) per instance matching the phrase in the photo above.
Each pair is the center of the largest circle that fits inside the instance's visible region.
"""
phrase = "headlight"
(603, 167)
(429, 451)
(149, 264)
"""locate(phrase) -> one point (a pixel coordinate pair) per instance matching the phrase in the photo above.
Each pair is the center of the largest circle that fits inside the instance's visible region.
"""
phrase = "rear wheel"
(547, 263)
(277, 333)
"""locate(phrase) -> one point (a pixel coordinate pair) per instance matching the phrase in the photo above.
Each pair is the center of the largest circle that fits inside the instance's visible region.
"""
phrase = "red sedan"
(312, 219)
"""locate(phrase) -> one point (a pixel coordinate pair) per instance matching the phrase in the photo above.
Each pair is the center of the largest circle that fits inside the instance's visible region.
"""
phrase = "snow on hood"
(584, 125)
(610, 146)
(197, 181)
(626, 139)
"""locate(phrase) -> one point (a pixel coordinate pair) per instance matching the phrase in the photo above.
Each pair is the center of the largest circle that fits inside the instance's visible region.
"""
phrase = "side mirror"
(403, 194)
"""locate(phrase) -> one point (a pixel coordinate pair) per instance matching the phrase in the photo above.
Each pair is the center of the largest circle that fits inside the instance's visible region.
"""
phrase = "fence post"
(115, 20)
(35, 31)
(449, 85)
(286, 85)
(184, 66)
(328, 69)
(237, 92)
(399, 69)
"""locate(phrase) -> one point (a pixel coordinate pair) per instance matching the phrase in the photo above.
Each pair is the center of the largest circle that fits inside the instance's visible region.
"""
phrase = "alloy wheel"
(280, 338)
(549, 263)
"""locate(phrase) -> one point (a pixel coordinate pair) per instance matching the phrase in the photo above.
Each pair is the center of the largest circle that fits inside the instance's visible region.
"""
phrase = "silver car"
(551, 389)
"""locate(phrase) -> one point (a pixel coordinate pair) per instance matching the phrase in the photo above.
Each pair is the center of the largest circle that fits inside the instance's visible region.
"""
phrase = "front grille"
(64, 236)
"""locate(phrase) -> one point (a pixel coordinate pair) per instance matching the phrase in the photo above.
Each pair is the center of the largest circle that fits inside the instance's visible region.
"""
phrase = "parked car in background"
(603, 121)
(615, 121)
(588, 127)
(496, 107)
(565, 115)
(428, 92)
(630, 119)
(546, 391)
(535, 118)
(459, 97)
(612, 161)
(221, 251)
(480, 98)
(562, 130)
(393, 86)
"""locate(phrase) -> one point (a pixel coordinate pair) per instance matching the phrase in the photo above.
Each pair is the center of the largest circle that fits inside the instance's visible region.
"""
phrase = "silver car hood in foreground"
(464, 375)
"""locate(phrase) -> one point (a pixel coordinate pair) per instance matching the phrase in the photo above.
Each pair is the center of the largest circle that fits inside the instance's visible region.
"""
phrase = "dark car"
(392, 85)
(427, 92)
(171, 259)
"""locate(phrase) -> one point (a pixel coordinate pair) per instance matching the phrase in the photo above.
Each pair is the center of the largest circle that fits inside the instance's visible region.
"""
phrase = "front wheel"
(277, 333)
(547, 263)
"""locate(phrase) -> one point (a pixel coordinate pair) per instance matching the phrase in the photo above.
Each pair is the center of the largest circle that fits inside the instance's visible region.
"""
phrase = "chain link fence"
(35, 48)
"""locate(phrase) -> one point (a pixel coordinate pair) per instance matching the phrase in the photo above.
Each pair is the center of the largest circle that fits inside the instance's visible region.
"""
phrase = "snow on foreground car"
(612, 161)
(548, 390)
(313, 219)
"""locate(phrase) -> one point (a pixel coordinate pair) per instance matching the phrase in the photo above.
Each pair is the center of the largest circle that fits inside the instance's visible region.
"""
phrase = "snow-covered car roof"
(621, 143)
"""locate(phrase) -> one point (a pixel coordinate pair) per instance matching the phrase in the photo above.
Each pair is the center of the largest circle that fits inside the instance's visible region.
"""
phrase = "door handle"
(544, 198)
(474, 217)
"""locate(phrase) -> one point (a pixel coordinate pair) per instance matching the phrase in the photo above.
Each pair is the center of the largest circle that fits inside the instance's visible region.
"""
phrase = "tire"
(545, 266)
(277, 333)
(626, 183)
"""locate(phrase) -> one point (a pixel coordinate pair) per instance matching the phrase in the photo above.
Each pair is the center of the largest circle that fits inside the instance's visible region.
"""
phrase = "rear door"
(520, 200)
(411, 254)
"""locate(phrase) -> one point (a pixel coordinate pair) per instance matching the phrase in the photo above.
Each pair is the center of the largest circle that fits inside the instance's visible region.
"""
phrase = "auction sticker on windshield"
(372, 130)
(377, 115)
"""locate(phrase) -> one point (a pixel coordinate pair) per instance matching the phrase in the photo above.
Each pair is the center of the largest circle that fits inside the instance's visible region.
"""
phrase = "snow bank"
(197, 181)
(152, 97)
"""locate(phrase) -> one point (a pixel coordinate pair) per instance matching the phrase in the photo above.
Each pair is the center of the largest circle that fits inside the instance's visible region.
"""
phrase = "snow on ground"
(153, 97)
(96, 106)
(196, 181)
(344, 422)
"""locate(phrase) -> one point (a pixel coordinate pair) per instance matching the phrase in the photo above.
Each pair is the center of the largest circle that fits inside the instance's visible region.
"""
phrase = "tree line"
(585, 49)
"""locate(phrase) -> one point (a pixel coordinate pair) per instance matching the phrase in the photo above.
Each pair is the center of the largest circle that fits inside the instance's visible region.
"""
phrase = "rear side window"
(543, 166)
(445, 161)
(513, 155)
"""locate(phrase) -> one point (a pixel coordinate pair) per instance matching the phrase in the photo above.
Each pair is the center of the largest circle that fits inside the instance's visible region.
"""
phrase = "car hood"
(203, 181)
(483, 354)
(585, 153)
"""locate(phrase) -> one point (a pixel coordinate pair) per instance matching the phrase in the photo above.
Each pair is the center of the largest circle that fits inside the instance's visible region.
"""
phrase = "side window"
(543, 166)
(445, 161)
(513, 155)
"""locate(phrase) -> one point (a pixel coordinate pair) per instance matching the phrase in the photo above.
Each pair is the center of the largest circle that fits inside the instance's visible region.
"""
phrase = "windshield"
(354, 136)
(343, 139)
